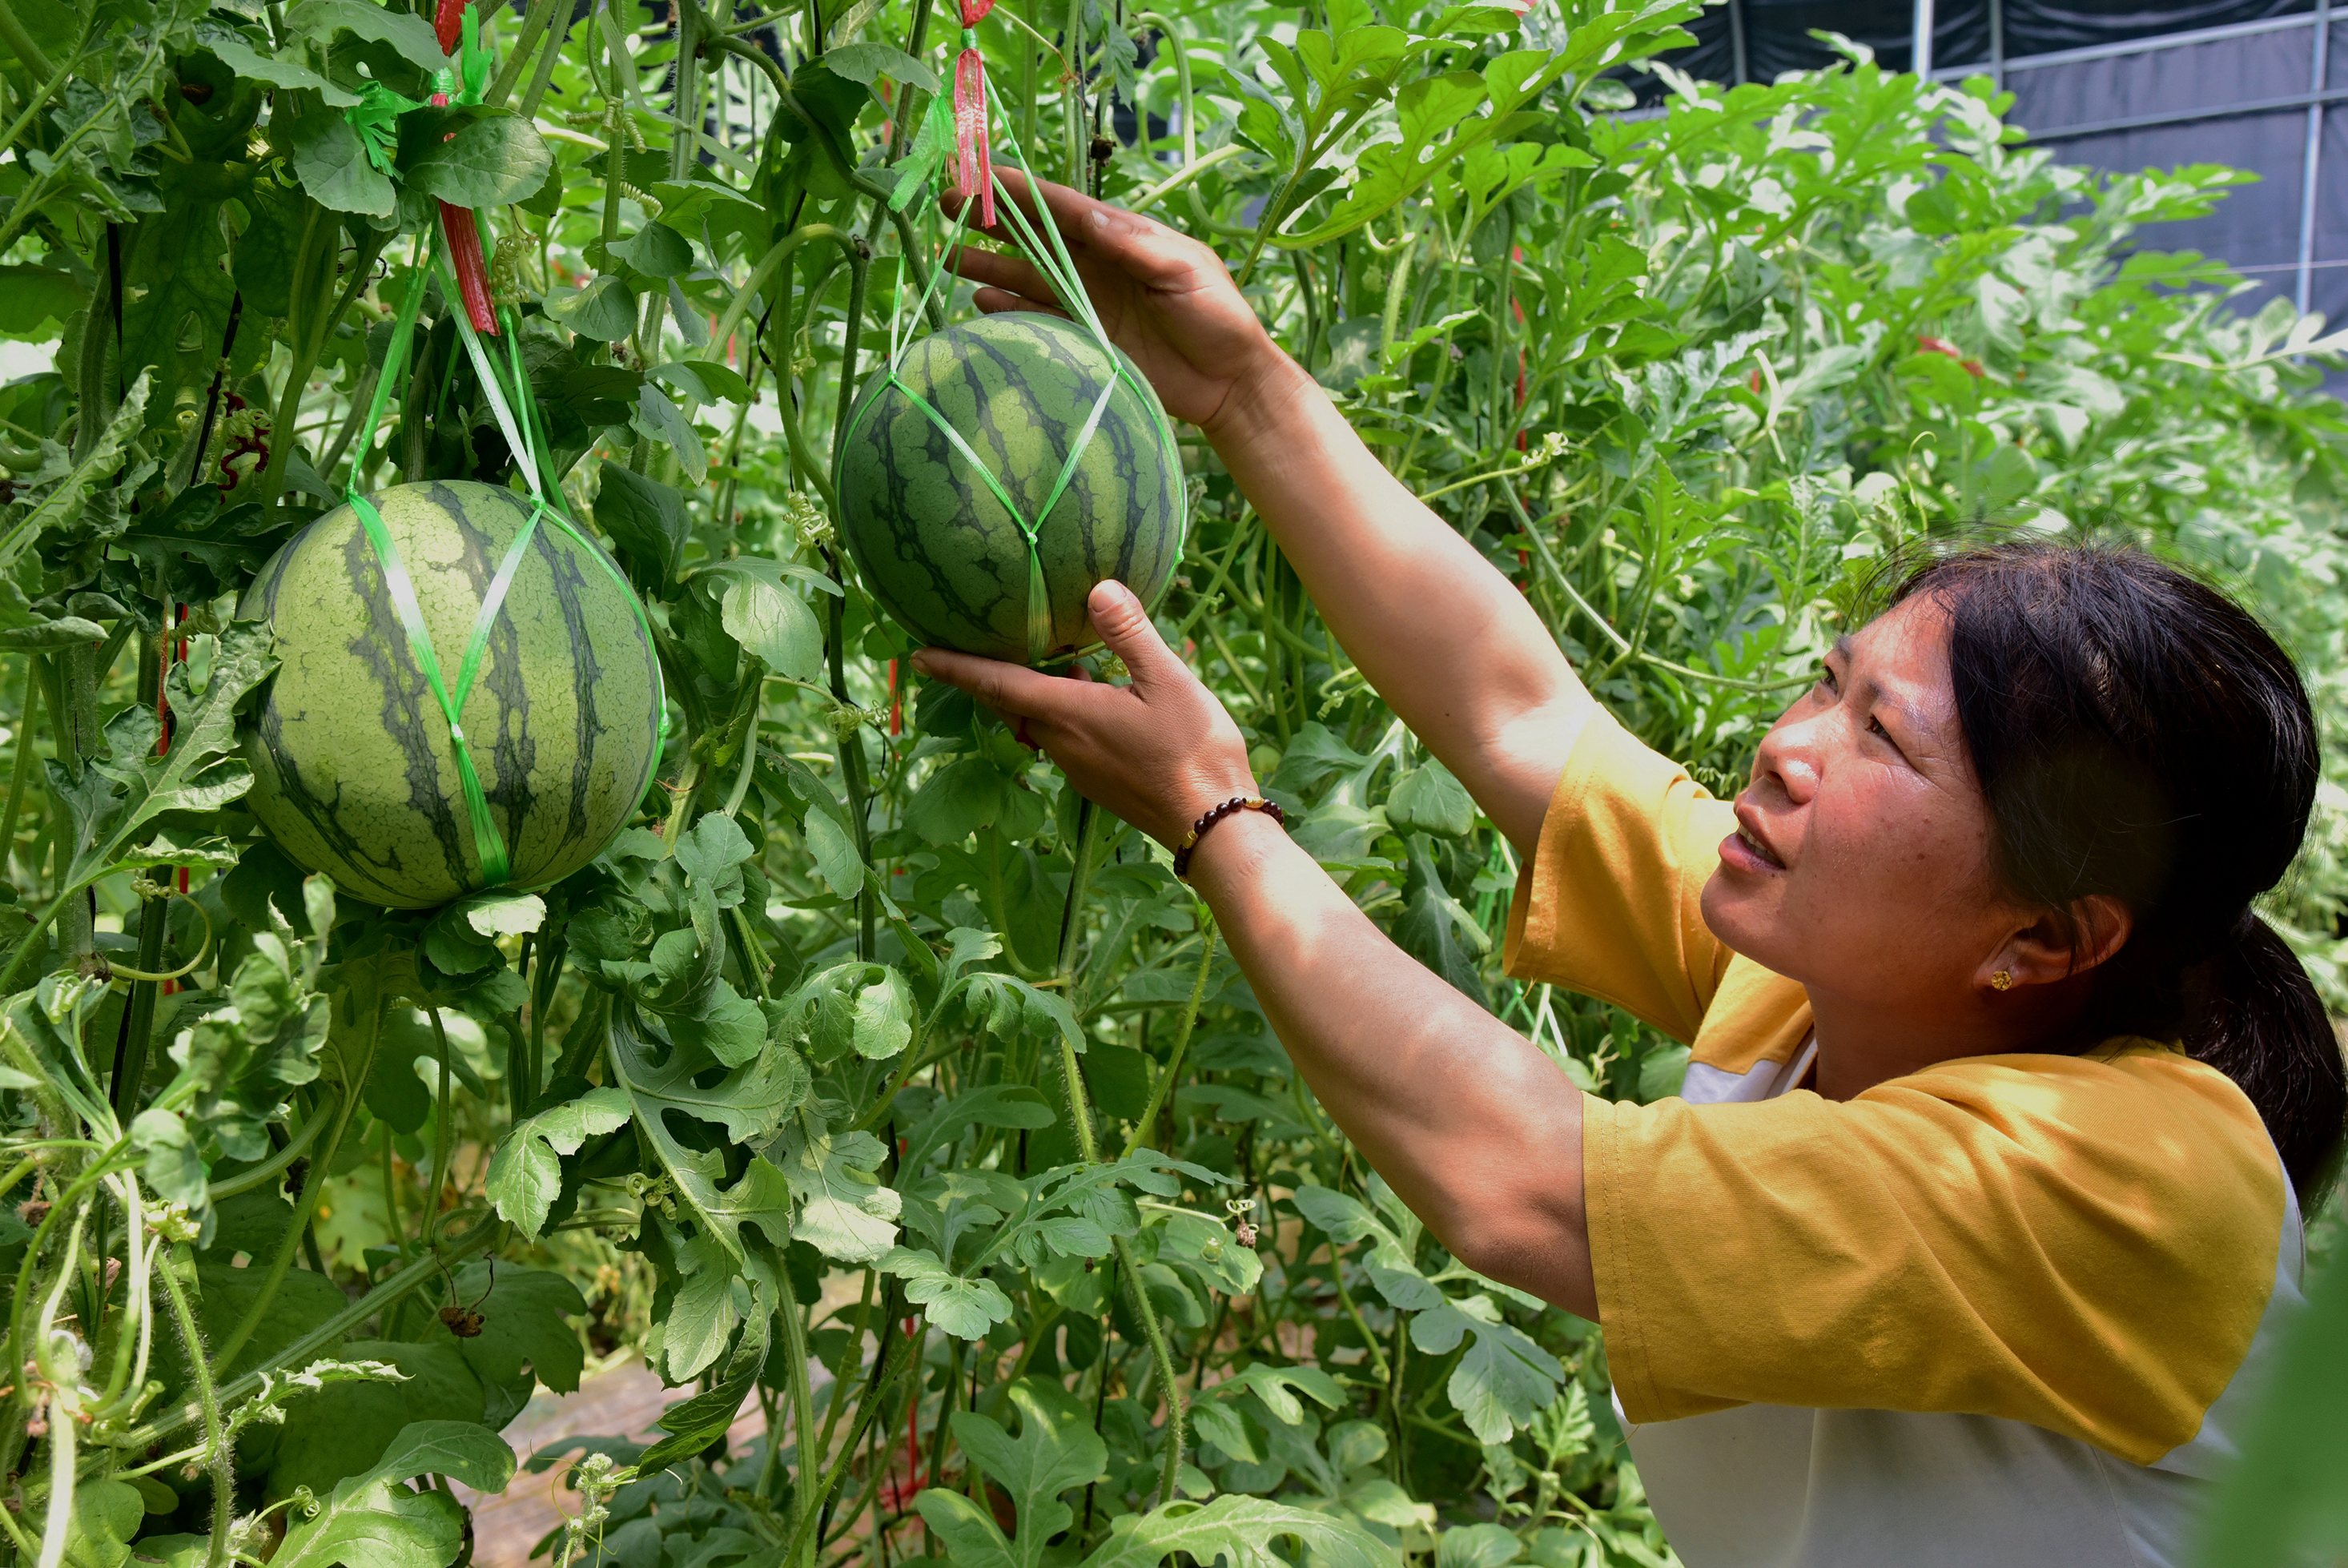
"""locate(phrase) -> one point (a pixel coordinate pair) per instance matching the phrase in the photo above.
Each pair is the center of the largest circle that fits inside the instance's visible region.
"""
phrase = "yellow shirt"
(2083, 1249)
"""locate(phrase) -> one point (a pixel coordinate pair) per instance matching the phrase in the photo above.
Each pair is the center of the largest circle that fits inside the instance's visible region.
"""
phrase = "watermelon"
(353, 773)
(936, 544)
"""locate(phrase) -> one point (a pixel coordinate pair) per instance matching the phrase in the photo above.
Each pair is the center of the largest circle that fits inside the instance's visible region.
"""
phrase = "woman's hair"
(2137, 734)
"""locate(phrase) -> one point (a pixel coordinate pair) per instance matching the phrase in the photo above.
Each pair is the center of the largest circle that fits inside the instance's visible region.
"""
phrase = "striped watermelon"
(353, 772)
(937, 546)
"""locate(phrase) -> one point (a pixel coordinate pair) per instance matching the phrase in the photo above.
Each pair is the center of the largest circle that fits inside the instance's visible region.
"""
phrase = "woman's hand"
(1158, 752)
(1163, 297)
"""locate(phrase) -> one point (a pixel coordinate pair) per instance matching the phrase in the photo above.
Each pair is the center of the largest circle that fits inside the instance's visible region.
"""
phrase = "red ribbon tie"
(973, 163)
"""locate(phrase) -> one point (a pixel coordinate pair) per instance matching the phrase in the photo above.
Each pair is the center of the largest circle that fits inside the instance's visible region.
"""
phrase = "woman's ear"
(2051, 949)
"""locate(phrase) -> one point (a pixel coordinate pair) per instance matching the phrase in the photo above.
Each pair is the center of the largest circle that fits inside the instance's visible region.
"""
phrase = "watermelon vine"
(886, 1103)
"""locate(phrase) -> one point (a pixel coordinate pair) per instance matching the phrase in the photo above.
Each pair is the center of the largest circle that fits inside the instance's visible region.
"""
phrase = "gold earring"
(2002, 981)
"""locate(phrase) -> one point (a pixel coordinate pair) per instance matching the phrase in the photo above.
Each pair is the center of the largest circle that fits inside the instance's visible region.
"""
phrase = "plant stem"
(859, 267)
(548, 56)
(28, 703)
(1164, 1086)
(1161, 1356)
(1080, 870)
(319, 321)
(802, 1408)
(77, 735)
(890, 1370)
(1072, 89)
(138, 1013)
(852, 764)
(443, 1131)
(219, 1453)
(779, 252)
(246, 1180)
(40, 99)
(541, 14)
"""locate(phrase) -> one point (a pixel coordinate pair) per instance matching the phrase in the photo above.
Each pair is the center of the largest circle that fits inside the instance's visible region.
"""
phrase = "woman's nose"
(1789, 754)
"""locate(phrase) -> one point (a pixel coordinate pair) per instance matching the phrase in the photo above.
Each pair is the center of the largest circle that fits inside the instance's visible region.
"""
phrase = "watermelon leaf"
(372, 1518)
(122, 792)
(863, 62)
(523, 1340)
(525, 1176)
(835, 860)
(775, 627)
(646, 521)
(990, 1105)
(725, 1025)
(1504, 1380)
(696, 1423)
(1429, 799)
(969, 794)
(502, 912)
(247, 61)
(334, 167)
(410, 35)
(489, 162)
(65, 491)
(657, 418)
(704, 381)
(1234, 1527)
(965, 1308)
(845, 1212)
(748, 1102)
(105, 1515)
(1056, 1450)
(605, 310)
(656, 251)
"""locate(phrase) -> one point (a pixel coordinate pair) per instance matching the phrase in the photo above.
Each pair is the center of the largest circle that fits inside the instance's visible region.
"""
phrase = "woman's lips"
(1747, 847)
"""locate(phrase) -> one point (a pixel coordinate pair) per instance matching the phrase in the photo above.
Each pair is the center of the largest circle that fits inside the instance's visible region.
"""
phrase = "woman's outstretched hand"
(1158, 752)
(1164, 298)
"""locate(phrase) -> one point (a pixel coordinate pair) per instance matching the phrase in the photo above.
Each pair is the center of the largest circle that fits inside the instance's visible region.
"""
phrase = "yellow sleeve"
(1610, 905)
(2083, 1243)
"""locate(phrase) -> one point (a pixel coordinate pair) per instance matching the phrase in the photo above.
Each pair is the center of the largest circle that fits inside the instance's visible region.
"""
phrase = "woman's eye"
(1826, 681)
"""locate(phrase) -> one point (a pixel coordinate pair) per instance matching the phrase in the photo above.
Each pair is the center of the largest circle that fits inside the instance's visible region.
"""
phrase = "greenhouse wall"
(2255, 84)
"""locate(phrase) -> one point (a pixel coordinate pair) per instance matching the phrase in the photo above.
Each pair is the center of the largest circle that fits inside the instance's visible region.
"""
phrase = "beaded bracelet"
(1198, 829)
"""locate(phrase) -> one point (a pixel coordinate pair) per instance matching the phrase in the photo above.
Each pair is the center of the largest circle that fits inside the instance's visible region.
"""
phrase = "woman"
(1979, 1211)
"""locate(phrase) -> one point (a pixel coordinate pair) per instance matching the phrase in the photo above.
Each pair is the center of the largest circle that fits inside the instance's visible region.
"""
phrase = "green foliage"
(866, 1048)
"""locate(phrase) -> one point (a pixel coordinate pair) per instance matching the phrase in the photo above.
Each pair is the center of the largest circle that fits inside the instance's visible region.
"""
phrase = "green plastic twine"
(488, 844)
(1051, 259)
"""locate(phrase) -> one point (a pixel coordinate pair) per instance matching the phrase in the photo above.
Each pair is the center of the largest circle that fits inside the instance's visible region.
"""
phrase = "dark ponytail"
(2138, 734)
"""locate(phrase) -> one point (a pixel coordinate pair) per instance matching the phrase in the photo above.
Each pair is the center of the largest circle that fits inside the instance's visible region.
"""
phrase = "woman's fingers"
(1008, 689)
(1141, 247)
(997, 269)
(1122, 622)
(995, 301)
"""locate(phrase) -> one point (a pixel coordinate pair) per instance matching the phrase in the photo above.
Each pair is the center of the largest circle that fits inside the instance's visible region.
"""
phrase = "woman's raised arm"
(1446, 639)
(1475, 1130)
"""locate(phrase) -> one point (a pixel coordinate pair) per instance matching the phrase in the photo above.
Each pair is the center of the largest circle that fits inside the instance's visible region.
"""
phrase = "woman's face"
(1860, 865)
